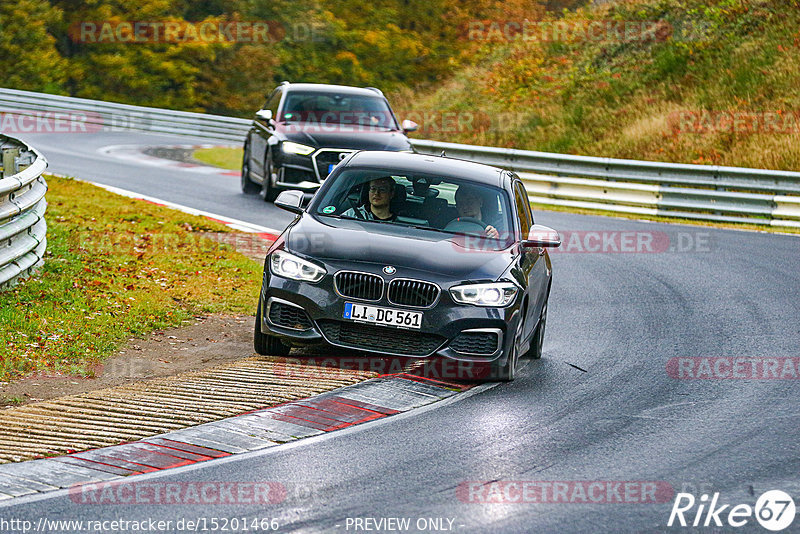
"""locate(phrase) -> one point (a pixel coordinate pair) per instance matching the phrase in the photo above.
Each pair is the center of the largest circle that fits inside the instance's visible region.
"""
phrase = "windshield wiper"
(394, 223)
(342, 217)
(420, 227)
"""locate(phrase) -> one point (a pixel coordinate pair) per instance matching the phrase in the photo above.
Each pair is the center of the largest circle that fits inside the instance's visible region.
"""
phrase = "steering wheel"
(467, 225)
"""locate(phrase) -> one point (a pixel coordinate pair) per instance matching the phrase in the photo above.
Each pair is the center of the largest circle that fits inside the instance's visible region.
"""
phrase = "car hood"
(436, 256)
(355, 137)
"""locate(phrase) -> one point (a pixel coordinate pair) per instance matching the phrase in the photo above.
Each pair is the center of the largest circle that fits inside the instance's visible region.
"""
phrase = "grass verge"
(225, 157)
(115, 268)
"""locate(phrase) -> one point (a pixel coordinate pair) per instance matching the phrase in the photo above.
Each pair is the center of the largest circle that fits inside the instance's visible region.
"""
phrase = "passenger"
(469, 203)
(381, 193)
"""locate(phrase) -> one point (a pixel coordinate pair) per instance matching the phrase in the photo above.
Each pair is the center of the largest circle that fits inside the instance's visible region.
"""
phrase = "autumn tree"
(27, 46)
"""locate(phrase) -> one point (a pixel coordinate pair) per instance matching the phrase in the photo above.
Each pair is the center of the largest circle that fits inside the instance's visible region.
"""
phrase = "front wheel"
(508, 372)
(268, 193)
(535, 352)
(264, 344)
(248, 186)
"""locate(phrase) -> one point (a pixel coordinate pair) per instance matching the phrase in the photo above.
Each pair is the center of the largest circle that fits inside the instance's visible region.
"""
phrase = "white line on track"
(236, 224)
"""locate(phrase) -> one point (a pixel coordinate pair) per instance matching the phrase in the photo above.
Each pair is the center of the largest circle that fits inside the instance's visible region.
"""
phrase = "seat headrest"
(399, 198)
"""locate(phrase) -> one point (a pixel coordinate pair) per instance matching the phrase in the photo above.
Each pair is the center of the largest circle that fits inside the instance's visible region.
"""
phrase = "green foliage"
(27, 46)
(391, 45)
(614, 97)
(621, 97)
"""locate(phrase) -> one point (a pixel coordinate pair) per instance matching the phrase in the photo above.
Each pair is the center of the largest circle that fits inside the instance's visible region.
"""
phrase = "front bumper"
(307, 172)
(441, 324)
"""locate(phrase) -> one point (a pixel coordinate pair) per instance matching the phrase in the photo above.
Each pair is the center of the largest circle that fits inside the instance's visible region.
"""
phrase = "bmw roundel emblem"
(389, 270)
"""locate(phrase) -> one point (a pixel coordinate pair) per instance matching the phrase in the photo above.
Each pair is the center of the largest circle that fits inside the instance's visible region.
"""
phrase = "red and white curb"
(345, 407)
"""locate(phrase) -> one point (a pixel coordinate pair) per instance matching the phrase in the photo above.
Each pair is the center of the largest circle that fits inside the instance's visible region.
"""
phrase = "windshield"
(337, 109)
(440, 204)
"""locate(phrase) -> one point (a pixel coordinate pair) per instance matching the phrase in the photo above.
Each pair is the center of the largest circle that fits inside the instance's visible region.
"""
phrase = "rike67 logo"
(774, 510)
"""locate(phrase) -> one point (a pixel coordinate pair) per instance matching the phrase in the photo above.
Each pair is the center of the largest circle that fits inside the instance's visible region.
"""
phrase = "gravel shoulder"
(206, 342)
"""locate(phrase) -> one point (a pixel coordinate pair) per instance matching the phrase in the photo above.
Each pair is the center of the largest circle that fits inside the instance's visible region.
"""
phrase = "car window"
(424, 201)
(340, 109)
(273, 102)
(523, 208)
(527, 202)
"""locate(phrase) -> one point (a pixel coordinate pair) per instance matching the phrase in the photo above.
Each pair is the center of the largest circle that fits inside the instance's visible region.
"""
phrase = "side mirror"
(409, 126)
(291, 201)
(541, 236)
(265, 115)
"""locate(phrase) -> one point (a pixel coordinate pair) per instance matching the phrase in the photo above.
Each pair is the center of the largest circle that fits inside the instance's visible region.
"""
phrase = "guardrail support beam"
(10, 158)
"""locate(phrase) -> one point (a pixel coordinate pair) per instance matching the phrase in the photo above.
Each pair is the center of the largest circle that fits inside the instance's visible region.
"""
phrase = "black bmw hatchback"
(304, 130)
(414, 256)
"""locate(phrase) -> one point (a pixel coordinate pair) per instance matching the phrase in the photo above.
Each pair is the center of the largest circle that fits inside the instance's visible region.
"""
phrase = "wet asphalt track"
(600, 405)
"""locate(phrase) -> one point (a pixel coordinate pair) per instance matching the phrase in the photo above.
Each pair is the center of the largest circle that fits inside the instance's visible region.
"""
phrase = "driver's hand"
(492, 232)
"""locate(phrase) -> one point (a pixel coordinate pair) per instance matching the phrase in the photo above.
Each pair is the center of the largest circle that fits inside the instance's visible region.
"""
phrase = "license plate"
(382, 316)
(330, 167)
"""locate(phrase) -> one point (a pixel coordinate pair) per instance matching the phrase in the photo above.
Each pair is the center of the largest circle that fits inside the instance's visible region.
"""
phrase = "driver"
(469, 203)
(381, 193)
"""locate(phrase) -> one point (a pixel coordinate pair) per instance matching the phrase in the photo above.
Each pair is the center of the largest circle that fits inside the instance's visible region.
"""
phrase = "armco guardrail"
(94, 115)
(23, 229)
(702, 192)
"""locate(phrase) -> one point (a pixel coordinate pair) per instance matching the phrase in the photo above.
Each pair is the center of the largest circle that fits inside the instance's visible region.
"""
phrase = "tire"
(535, 352)
(268, 193)
(508, 372)
(264, 344)
(248, 186)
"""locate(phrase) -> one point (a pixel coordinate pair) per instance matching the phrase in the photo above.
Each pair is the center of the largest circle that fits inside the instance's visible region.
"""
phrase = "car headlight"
(297, 148)
(496, 294)
(286, 265)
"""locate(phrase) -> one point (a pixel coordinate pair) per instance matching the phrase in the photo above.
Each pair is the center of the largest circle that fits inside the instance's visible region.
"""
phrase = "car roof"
(325, 88)
(428, 164)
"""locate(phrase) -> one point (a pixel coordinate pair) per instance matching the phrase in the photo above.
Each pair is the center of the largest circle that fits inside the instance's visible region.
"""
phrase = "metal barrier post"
(10, 157)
